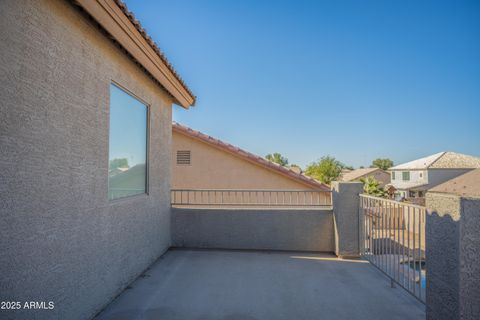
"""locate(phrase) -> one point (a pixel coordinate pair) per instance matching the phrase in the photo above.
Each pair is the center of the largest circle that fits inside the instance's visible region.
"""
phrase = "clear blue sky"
(353, 79)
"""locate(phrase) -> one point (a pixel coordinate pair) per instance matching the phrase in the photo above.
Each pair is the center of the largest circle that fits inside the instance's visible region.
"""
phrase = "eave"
(113, 17)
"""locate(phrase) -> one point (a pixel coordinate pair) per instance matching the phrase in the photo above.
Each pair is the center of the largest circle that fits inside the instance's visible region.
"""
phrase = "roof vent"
(183, 157)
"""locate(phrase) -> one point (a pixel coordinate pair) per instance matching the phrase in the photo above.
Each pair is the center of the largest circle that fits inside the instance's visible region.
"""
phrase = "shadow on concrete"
(221, 284)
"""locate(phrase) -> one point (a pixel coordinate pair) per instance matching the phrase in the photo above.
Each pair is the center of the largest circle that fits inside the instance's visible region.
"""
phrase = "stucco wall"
(346, 199)
(453, 257)
(212, 168)
(264, 229)
(61, 240)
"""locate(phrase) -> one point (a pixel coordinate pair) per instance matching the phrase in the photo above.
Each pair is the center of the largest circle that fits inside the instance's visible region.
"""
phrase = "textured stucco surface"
(453, 257)
(345, 196)
(61, 240)
(214, 168)
(470, 259)
(272, 229)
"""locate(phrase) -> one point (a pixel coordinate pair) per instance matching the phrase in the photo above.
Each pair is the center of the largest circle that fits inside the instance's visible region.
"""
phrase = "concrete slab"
(245, 285)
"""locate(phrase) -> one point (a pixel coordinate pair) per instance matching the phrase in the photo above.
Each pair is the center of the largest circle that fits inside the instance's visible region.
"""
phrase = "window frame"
(147, 147)
(405, 174)
(393, 175)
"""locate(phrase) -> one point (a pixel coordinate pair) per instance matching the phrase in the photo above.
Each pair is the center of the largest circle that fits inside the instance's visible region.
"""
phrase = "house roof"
(236, 151)
(441, 160)
(467, 184)
(114, 17)
(358, 173)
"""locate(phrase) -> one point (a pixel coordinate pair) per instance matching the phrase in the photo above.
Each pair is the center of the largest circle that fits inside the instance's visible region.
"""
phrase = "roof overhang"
(114, 19)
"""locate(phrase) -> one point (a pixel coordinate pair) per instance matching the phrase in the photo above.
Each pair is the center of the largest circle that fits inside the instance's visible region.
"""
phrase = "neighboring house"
(202, 162)
(382, 176)
(82, 85)
(413, 178)
(466, 185)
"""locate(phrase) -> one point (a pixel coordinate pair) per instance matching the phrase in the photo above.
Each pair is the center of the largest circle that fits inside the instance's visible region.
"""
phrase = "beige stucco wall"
(61, 240)
(212, 168)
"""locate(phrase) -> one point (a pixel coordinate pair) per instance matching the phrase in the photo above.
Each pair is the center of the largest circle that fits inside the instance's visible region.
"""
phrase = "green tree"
(326, 170)
(277, 158)
(382, 163)
(118, 163)
(372, 187)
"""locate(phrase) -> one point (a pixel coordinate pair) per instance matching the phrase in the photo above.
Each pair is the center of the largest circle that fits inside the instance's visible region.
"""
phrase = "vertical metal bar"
(367, 232)
(379, 243)
(408, 258)
(389, 238)
(385, 242)
(376, 243)
(378, 234)
(419, 253)
(403, 245)
(383, 237)
(374, 232)
(364, 227)
(397, 241)
(424, 261)
(414, 252)
(370, 227)
(361, 232)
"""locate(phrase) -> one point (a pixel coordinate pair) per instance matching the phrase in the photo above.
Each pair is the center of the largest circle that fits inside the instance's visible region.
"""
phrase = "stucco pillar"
(345, 214)
(453, 257)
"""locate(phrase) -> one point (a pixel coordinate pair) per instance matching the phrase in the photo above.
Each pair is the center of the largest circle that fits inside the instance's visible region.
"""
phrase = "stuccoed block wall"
(346, 200)
(453, 257)
(61, 240)
(260, 229)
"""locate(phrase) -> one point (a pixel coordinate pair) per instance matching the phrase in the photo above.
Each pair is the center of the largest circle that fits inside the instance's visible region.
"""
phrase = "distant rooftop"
(358, 173)
(467, 184)
(442, 160)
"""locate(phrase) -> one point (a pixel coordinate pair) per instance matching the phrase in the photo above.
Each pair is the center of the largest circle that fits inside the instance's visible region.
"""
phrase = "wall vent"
(183, 157)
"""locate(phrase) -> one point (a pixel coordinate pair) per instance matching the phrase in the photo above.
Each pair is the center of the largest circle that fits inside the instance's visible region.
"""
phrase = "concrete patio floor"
(247, 285)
